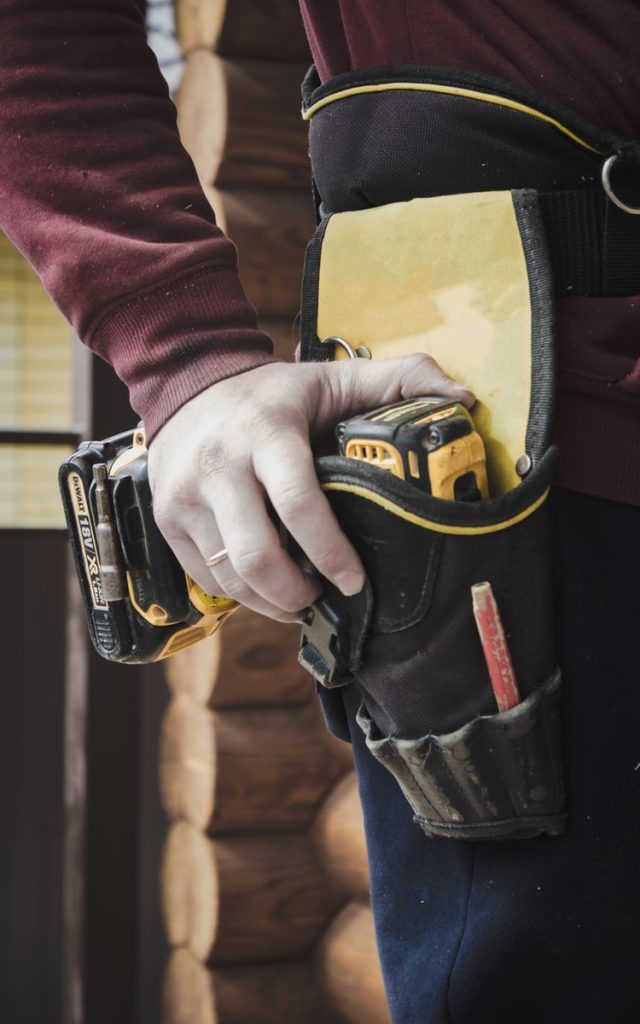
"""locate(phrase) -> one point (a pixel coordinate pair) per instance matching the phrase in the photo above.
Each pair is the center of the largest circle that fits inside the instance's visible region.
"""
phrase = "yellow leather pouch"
(462, 277)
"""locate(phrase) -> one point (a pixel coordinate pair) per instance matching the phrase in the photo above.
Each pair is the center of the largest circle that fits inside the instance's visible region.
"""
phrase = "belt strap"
(594, 246)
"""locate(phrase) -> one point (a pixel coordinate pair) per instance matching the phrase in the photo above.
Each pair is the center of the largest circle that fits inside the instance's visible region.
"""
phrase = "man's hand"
(248, 438)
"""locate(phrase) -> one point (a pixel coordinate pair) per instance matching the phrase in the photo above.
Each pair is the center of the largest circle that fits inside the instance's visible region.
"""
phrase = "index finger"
(287, 472)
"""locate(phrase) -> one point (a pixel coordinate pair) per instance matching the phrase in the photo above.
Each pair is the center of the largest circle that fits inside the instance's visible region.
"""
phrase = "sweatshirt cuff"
(173, 341)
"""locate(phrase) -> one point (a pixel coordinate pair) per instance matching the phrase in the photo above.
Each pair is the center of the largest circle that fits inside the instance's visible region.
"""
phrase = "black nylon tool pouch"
(428, 711)
(421, 247)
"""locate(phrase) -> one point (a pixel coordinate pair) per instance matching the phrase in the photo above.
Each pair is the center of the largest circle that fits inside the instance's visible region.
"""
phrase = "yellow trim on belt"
(450, 90)
(428, 524)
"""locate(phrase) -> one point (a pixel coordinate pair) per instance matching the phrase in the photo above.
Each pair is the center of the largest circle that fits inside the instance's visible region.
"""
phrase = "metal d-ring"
(606, 184)
(361, 352)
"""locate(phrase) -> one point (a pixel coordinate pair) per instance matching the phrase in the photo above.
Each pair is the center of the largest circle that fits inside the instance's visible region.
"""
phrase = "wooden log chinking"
(349, 968)
(240, 121)
(258, 664)
(338, 835)
(274, 900)
(273, 767)
(271, 230)
(187, 992)
(269, 29)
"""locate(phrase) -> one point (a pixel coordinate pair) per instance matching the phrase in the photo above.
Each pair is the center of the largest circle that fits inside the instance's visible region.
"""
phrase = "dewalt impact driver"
(140, 605)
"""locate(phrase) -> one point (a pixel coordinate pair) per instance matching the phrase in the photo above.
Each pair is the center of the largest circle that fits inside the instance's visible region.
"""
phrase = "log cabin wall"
(264, 880)
(239, 118)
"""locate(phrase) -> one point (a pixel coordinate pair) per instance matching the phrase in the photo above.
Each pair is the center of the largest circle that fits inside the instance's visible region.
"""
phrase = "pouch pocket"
(429, 712)
(499, 776)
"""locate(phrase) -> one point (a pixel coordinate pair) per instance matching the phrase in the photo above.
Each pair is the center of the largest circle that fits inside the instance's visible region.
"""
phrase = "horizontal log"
(240, 121)
(285, 993)
(271, 230)
(193, 672)
(243, 900)
(273, 769)
(258, 664)
(198, 23)
(250, 660)
(246, 771)
(202, 118)
(271, 29)
(187, 991)
(338, 834)
(189, 890)
(187, 762)
(284, 334)
(349, 967)
(274, 900)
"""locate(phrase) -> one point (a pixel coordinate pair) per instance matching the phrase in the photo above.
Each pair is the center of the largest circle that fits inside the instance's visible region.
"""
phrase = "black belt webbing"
(594, 246)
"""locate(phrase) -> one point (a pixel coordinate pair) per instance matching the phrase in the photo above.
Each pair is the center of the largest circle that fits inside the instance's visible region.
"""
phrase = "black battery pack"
(140, 604)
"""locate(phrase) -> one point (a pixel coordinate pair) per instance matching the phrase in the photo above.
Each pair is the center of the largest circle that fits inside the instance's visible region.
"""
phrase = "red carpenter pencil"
(495, 647)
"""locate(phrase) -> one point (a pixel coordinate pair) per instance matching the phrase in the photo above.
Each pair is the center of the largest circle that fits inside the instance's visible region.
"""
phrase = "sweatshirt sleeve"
(98, 194)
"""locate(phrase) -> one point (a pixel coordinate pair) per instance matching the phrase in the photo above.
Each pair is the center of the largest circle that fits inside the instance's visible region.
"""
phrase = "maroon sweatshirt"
(98, 194)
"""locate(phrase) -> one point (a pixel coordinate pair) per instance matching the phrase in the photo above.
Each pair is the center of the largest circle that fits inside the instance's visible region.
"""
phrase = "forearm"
(99, 195)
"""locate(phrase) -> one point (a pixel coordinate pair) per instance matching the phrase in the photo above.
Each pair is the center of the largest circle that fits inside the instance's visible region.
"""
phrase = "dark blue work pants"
(537, 931)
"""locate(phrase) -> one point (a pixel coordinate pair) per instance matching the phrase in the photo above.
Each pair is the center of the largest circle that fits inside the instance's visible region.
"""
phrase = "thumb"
(357, 385)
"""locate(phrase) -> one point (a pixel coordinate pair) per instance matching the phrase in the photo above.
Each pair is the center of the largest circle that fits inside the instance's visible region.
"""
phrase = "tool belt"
(451, 210)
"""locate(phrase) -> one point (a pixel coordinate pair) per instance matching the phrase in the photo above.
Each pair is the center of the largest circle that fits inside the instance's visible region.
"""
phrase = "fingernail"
(350, 583)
